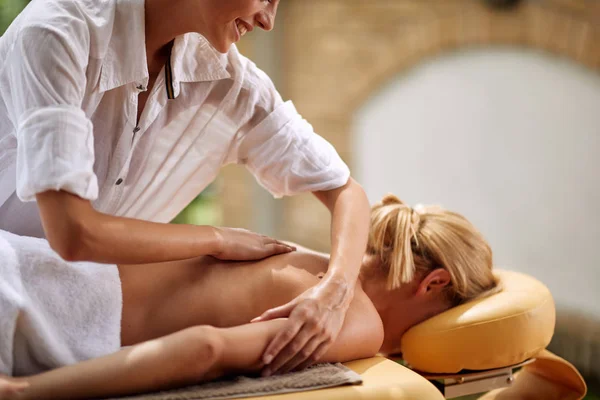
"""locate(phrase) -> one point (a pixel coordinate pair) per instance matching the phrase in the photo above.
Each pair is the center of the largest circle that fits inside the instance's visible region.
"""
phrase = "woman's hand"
(315, 319)
(241, 245)
(11, 388)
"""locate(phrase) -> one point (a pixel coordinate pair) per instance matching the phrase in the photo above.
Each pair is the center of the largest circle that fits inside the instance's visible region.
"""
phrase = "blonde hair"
(410, 241)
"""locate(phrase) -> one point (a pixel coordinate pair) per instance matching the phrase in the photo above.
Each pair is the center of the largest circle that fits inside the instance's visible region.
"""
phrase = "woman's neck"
(159, 34)
(399, 309)
(373, 283)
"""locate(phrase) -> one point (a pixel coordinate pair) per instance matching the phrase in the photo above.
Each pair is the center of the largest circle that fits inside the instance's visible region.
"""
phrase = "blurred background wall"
(490, 110)
(513, 145)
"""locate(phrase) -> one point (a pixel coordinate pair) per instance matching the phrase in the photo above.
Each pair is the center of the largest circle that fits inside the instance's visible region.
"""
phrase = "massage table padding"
(504, 329)
(383, 379)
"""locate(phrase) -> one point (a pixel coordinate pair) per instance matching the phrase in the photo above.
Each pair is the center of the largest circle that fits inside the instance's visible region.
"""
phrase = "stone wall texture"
(336, 53)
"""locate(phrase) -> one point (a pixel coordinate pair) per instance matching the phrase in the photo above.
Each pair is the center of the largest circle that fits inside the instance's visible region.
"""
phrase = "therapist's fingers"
(272, 355)
(277, 312)
(306, 355)
(242, 245)
(316, 355)
(293, 349)
(277, 248)
(269, 240)
(303, 325)
(270, 247)
(279, 245)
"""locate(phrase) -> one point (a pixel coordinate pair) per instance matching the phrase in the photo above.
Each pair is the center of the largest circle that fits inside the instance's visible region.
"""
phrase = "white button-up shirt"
(70, 75)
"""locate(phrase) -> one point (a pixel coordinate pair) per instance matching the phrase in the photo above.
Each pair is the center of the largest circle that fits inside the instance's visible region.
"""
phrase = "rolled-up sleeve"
(287, 157)
(45, 74)
(279, 147)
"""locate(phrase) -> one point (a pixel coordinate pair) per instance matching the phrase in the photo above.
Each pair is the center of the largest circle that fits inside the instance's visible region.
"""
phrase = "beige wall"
(334, 54)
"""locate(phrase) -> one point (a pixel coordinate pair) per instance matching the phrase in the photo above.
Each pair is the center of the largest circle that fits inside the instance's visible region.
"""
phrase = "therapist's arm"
(316, 317)
(350, 220)
(77, 232)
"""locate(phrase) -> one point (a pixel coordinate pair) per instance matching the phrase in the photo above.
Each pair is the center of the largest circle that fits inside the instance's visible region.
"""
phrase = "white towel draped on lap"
(52, 312)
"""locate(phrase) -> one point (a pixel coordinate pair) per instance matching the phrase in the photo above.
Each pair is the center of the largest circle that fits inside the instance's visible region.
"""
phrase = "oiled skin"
(188, 322)
(159, 299)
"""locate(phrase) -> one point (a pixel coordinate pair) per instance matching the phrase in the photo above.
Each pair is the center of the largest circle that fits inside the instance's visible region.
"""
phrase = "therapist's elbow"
(70, 242)
(70, 249)
(66, 220)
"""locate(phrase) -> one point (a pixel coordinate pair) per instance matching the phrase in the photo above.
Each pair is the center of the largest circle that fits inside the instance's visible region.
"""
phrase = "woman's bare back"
(174, 296)
(159, 299)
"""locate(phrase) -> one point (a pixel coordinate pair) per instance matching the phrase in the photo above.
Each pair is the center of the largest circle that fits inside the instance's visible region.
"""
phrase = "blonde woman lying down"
(188, 321)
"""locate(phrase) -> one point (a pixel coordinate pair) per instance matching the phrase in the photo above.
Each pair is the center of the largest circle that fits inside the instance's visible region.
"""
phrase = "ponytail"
(394, 227)
(407, 240)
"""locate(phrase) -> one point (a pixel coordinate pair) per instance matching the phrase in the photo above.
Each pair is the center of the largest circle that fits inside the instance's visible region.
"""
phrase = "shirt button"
(119, 181)
(141, 87)
(136, 129)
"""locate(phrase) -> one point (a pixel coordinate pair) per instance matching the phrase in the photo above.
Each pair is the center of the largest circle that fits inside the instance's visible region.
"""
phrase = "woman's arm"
(186, 357)
(191, 356)
(360, 337)
(77, 232)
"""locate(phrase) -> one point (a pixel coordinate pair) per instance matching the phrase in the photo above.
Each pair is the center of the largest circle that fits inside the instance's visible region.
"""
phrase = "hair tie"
(419, 209)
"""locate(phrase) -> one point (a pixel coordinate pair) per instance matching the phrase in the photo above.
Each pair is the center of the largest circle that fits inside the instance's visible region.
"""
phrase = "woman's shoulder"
(303, 268)
(301, 261)
(291, 274)
(362, 333)
(291, 281)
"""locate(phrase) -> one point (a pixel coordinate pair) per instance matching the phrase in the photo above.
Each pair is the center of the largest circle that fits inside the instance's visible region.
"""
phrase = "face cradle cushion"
(504, 329)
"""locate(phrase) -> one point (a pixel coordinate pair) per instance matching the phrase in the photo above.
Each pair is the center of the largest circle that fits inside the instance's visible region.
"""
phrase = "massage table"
(473, 348)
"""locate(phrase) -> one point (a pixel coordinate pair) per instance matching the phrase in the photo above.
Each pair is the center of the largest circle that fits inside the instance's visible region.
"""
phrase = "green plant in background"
(9, 9)
(203, 210)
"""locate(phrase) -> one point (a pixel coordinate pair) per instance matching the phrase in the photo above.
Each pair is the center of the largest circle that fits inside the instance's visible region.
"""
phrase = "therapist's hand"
(315, 319)
(241, 245)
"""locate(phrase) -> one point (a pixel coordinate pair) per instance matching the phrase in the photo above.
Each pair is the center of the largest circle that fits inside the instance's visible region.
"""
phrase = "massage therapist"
(115, 114)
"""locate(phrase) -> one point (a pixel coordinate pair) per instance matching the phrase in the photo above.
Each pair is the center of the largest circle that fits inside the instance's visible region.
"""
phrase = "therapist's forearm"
(129, 241)
(350, 212)
(79, 233)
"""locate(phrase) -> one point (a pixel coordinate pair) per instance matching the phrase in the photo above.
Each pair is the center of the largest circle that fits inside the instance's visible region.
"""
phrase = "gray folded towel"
(319, 376)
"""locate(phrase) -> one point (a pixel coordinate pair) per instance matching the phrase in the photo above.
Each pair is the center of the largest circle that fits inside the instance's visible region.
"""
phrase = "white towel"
(52, 312)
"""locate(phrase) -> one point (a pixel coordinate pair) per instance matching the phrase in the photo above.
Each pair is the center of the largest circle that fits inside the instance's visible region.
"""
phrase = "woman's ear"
(434, 282)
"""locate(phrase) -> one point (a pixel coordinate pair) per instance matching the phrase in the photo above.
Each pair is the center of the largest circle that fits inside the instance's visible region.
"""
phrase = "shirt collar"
(125, 60)
(193, 59)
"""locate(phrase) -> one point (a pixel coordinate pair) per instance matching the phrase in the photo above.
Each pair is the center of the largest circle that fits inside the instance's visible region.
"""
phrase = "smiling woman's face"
(226, 21)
